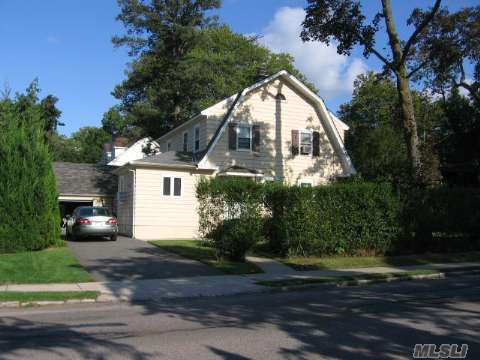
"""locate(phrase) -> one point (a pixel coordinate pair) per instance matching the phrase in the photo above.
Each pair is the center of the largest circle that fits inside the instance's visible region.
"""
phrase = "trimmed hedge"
(29, 216)
(355, 218)
(339, 219)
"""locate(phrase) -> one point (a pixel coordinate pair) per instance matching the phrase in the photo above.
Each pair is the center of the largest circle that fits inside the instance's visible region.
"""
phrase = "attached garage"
(84, 185)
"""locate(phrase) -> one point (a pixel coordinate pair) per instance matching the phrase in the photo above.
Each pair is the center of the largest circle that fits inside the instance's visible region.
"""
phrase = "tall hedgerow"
(29, 215)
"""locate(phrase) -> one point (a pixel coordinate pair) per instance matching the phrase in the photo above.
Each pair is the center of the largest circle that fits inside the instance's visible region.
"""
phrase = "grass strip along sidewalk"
(338, 262)
(47, 295)
(194, 249)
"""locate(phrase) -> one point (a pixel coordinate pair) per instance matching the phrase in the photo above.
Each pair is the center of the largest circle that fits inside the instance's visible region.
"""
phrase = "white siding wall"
(165, 217)
(176, 137)
(277, 119)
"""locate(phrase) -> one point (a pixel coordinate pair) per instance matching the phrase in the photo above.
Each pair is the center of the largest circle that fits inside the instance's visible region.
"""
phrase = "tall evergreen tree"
(28, 202)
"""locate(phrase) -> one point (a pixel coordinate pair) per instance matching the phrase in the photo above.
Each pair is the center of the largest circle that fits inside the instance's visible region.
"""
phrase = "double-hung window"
(196, 138)
(305, 142)
(244, 137)
(172, 187)
(185, 141)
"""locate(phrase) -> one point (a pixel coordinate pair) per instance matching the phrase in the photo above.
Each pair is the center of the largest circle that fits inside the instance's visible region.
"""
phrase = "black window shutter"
(295, 142)
(256, 138)
(232, 136)
(316, 144)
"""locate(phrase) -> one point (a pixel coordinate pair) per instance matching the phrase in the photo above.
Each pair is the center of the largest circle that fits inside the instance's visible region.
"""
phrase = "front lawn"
(336, 262)
(194, 249)
(54, 265)
(47, 295)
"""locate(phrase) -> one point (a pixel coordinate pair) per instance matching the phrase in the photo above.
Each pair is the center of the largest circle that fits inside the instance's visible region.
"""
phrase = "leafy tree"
(216, 63)
(344, 22)
(375, 141)
(28, 204)
(459, 132)
(89, 142)
(83, 146)
(160, 33)
(446, 46)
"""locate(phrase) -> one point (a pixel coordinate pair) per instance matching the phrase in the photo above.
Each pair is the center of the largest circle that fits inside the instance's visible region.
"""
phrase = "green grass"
(347, 280)
(193, 249)
(55, 265)
(47, 295)
(336, 262)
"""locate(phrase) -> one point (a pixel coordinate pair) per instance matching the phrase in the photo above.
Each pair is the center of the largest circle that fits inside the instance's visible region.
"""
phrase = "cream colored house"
(276, 129)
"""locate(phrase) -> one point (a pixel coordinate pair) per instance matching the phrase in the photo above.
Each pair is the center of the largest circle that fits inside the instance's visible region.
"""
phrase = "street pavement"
(381, 321)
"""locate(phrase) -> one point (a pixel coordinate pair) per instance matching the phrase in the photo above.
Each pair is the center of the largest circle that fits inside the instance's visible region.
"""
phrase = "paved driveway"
(128, 259)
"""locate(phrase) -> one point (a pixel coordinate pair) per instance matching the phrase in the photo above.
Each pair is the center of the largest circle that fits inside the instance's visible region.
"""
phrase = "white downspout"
(134, 194)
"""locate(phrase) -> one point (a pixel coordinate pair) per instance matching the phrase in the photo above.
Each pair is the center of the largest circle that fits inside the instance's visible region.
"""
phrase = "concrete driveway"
(128, 259)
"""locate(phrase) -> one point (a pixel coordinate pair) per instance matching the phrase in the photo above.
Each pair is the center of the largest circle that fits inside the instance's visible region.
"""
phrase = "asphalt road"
(381, 321)
(129, 259)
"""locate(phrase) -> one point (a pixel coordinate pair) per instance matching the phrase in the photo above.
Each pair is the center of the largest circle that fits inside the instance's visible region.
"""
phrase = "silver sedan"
(91, 221)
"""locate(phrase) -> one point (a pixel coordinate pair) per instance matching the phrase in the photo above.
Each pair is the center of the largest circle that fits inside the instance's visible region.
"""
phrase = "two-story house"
(276, 129)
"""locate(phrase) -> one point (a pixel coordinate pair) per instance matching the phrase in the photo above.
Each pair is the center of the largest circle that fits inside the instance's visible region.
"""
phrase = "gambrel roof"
(330, 123)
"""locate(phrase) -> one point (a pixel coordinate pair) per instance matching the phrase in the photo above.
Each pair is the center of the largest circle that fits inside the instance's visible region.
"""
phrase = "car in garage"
(91, 221)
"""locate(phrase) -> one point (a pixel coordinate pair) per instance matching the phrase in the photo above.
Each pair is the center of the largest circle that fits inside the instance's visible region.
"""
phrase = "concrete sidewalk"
(200, 286)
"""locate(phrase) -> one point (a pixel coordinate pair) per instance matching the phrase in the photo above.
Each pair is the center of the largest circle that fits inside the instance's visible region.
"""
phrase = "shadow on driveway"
(129, 259)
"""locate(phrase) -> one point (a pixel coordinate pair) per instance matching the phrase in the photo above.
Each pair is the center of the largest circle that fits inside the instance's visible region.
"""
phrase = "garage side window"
(177, 187)
(172, 186)
(166, 186)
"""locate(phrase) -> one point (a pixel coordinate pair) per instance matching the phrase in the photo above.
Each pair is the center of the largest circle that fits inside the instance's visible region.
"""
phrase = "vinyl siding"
(276, 120)
(176, 136)
(165, 217)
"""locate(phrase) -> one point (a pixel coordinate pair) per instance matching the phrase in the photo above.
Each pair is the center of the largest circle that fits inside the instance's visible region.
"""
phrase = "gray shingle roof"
(84, 179)
(172, 158)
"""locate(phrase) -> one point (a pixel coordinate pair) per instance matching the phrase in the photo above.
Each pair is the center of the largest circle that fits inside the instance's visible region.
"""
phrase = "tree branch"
(419, 29)
(419, 67)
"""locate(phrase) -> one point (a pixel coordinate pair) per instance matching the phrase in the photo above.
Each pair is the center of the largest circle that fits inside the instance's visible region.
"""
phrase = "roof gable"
(328, 121)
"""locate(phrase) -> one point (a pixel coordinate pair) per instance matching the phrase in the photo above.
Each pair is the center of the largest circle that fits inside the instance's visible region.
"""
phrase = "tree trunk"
(409, 126)
(404, 94)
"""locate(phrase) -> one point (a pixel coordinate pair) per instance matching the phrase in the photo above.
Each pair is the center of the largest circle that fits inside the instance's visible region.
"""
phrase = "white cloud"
(332, 74)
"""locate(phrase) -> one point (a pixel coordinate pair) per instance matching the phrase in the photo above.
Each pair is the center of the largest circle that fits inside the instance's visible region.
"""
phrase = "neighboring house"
(276, 129)
(113, 149)
(84, 185)
(134, 152)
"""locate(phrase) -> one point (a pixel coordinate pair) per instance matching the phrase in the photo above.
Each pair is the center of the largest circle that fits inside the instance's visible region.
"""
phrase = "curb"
(347, 283)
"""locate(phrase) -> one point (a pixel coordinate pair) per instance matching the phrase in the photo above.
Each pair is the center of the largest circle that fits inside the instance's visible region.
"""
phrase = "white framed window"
(305, 182)
(196, 138)
(169, 146)
(306, 142)
(172, 186)
(244, 137)
(185, 141)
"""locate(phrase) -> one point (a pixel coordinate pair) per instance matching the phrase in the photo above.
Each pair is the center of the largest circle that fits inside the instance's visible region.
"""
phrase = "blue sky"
(66, 44)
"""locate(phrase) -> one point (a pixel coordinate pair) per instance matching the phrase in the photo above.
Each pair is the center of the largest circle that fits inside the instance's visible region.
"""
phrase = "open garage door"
(67, 207)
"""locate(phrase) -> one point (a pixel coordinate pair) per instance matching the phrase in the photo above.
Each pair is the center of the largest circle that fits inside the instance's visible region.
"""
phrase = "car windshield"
(93, 211)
